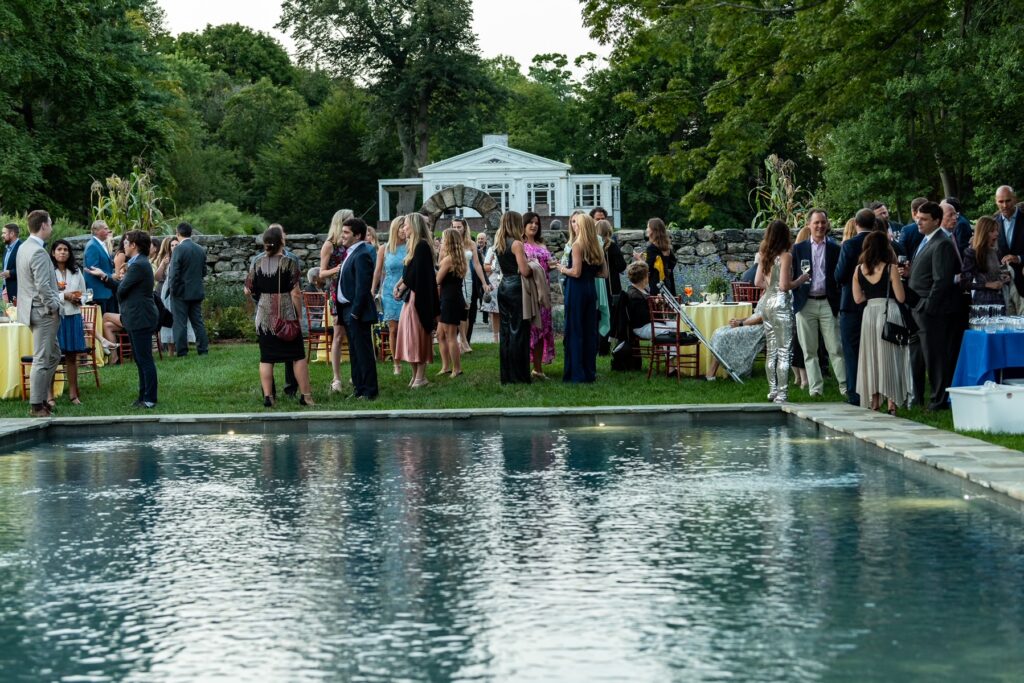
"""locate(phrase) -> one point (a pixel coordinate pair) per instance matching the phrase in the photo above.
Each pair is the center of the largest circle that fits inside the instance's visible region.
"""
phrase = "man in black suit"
(185, 276)
(9, 273)
(882, 214)
(850, 312)
(963, 231)
(816, 303)
(1011, 233)
(357, 311)
(935, 299)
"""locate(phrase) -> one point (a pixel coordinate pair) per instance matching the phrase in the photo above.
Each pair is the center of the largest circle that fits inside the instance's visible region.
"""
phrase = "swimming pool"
(659, 552)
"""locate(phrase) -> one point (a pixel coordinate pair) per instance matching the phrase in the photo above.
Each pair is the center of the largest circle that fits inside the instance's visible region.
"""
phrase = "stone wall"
(228, 257)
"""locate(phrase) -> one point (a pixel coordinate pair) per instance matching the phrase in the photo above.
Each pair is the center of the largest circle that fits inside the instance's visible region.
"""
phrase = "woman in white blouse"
(71, 334)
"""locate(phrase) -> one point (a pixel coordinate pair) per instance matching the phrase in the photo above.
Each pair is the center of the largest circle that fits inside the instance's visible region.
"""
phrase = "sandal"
(397, 370)
(417, 385)
(75, 401)
(456, 374)
(442, 371)
(336, 386)
(538, 375)
(306, 400)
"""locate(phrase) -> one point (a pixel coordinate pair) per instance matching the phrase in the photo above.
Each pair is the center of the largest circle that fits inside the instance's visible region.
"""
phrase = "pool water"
(653, 553)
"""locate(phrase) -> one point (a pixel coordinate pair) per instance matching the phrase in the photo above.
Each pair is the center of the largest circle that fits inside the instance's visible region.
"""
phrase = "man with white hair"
(1011, 233)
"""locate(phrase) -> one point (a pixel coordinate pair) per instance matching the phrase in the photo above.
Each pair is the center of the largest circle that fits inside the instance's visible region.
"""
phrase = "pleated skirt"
(413, 344)
(882, 367)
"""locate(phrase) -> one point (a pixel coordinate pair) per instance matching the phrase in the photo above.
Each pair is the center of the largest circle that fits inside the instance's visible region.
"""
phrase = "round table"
(709, 317)
(982, 354)
(16, 341)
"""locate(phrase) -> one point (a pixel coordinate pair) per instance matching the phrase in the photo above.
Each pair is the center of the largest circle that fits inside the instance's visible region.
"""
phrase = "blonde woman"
(332, 253)
(414, 343)
(451, 272)
(850, 229)
(585, 262)
(514, 335)
(473, 267)
(390, 263)
(661, 260)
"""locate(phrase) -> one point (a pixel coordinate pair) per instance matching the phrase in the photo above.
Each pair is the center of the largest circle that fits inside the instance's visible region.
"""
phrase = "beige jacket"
(536, 294)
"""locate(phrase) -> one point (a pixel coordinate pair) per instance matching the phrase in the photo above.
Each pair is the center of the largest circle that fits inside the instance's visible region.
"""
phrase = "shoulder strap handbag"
(285, 330)
(893, 332)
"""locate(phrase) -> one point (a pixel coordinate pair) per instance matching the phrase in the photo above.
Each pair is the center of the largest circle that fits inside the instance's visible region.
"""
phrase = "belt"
(817, 297)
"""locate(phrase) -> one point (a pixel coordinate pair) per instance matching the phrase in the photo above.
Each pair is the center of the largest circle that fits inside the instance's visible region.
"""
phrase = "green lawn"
(227, 381)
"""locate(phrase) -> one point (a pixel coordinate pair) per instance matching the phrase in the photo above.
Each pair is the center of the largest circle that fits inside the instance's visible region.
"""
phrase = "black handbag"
(893, 332)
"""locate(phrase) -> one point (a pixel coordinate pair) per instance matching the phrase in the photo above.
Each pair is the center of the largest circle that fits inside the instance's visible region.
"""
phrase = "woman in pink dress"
(542, 341)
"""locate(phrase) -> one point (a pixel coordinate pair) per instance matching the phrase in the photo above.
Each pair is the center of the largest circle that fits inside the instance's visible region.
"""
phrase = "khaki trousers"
(45, 353)
(816, 316)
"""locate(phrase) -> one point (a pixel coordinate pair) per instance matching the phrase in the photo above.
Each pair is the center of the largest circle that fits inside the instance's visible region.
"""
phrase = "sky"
(521, 29)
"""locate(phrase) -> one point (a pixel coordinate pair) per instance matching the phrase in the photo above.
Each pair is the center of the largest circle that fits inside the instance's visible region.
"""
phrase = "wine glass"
(88, 296)
(805, 266)
(688, 291)
(638, 253)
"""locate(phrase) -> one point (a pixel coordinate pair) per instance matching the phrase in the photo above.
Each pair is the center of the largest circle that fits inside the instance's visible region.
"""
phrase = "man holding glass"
(816, 302)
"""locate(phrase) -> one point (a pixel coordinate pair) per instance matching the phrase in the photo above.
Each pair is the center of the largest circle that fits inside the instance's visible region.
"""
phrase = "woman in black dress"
(514, 333)
(275, 282)
(451, 275)
(661, 260)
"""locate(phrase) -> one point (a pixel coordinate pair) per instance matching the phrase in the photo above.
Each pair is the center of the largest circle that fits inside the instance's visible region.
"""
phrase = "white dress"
(494, 279)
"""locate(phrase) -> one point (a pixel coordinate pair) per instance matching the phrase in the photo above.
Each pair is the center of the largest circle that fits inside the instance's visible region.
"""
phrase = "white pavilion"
(516, 180)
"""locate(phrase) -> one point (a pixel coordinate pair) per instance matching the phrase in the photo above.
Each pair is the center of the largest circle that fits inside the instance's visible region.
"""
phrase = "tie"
(1009, 226)
(920, 247)
(956, 249)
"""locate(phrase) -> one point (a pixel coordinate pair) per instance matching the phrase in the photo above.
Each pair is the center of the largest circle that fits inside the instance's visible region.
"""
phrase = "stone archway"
(462, 196)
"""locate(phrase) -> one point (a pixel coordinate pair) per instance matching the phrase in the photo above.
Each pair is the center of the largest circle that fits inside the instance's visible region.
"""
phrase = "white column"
(383, 202)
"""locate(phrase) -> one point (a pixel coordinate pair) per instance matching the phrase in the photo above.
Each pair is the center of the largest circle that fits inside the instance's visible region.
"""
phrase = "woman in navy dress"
(586, 261)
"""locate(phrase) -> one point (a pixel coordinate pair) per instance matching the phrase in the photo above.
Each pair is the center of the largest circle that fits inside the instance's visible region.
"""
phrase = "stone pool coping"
(982, 464)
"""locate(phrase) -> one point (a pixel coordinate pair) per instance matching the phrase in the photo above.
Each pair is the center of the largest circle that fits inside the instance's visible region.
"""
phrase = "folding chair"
(745, 292)
(320, 333)
(87, 361)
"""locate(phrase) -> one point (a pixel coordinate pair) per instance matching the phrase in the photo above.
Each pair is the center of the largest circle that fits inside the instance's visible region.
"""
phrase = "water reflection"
(567, 554)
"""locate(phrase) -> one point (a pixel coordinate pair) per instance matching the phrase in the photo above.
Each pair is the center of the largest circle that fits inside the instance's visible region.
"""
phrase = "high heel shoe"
(268, 401)
(306, 400)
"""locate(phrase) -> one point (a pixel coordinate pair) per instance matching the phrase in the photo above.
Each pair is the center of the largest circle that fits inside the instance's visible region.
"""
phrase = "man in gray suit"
(934, 297)
(185, 277)
(39, 305)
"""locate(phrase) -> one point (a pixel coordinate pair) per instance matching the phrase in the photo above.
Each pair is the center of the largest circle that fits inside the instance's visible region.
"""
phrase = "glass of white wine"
(805, 266)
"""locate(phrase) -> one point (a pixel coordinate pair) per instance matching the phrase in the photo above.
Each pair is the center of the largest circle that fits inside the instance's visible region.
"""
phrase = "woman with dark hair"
(71, 335)
(542, 339)
(661, 260)
(276, 283)
(418, 320)
(882, 366)
(514, 335)
(983, 266)
(774, 273)
(138, 310)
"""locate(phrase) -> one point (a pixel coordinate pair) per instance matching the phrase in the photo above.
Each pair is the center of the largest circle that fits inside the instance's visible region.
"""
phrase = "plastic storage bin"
(988, 408)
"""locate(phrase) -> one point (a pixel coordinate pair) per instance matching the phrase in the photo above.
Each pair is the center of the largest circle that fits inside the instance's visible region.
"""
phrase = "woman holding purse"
(276, 282)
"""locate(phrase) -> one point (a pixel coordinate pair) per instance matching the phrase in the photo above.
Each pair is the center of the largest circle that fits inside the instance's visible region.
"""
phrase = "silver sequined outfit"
(779, 321)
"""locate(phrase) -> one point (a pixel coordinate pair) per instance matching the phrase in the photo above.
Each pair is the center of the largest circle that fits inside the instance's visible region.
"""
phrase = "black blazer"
(12, 265)
(801, 251)
(135, 296)
(1017, 248)
(188, 267)
(849, 255)
(616, 266)
(933, 291)
(357, 283)
(910, 240)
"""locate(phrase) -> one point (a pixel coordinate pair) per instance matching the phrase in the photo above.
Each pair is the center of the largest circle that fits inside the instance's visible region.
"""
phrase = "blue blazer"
(96, 256)
(1017, 248)
(357, 283)
(849, 255)
(12, 265)
(910, 240)
(802, 250)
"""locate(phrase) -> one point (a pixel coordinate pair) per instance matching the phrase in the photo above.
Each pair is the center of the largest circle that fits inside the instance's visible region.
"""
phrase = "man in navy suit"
(357, 311)
(1011, 233)
(963, 231)
(9, 273)
(97, 256)
(816, 303)
(850, 312)
(185, 278)
(910, 236)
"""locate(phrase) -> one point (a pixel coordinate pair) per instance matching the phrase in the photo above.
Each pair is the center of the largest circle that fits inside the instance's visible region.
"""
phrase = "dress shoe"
(137, 403)
(352, 396)
(40, 410)
(367, 397)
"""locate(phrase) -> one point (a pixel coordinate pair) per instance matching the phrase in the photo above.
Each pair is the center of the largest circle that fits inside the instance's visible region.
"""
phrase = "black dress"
(453, 304)
(514, 331)
(273, 294)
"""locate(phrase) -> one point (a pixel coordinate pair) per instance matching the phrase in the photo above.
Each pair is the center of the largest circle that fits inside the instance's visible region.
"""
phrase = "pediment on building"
(495, 157)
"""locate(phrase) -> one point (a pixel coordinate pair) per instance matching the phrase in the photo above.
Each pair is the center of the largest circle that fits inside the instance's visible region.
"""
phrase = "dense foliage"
(869, 100)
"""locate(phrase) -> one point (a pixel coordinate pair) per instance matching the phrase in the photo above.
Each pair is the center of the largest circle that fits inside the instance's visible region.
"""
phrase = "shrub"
(62, 227)
(222, 218)
(233, 322)
(221, 295)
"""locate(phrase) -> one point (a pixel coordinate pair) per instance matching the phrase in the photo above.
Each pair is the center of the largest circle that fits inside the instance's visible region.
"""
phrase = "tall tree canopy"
(411, 54)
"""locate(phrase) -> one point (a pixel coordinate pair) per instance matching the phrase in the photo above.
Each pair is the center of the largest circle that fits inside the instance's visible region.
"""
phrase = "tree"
(314, 168)
(239, 51)
(413, 54)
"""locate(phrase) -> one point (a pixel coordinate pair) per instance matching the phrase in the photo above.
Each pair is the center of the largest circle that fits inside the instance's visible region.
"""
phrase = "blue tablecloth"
(982, 354)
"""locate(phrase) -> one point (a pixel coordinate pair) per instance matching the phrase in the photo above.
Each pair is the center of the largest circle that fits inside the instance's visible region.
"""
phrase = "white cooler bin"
(988, 408)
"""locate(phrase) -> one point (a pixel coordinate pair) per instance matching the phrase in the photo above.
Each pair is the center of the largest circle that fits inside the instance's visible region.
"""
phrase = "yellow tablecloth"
(709, 317)
(15, 342)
